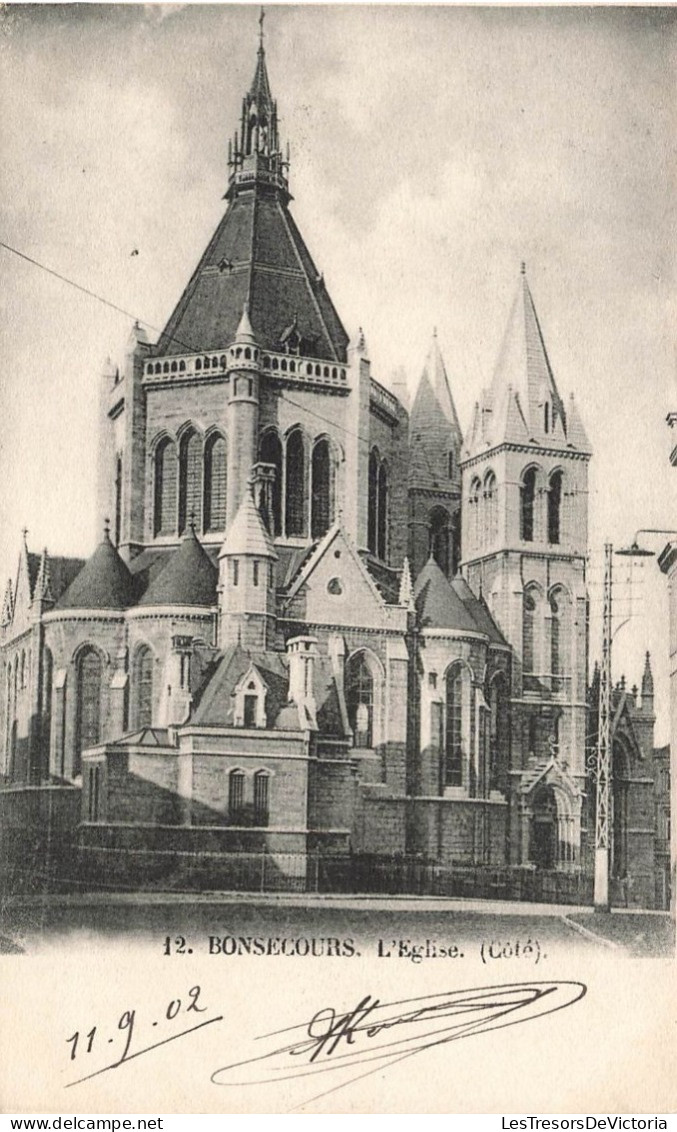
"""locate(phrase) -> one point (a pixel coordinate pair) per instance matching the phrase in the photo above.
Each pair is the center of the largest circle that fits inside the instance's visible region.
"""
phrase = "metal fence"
(316, 872)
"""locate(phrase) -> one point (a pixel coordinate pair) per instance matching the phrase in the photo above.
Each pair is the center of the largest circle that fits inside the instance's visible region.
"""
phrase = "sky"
(433, 149)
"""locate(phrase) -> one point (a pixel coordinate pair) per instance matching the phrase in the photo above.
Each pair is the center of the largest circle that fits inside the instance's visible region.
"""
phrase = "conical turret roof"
(189, 577)
(434, 430)
(247, 534)
(438, 606)
(104, 582)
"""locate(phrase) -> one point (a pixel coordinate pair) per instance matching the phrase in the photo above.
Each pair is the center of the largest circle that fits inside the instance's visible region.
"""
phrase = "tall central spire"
(255, 154)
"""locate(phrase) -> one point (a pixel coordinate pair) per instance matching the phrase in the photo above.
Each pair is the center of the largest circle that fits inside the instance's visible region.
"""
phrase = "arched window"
(490, 509)
(558, 638)
(296, 507)
(261, 797)
(382, 522)
(372, 502)
(143, 687)
(270, 452)
(438, 537)
(190, 481)
(118, 500)
(456, 725)
(164, 509)
(46, 728)
(554, 507)
(499, 729)
(359, 687)
(474, 502)
(88, 716)
(215, 484)
(236, 795)
(321, 490)
(527, 502)
(528, 634)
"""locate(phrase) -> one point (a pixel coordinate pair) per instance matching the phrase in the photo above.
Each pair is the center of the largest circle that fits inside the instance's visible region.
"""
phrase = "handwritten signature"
(379, 1034)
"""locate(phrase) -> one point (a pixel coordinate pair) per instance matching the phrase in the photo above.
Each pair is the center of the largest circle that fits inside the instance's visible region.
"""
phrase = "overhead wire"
(169, 337)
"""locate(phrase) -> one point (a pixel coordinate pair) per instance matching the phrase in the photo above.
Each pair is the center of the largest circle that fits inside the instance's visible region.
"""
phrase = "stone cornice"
(530, 449)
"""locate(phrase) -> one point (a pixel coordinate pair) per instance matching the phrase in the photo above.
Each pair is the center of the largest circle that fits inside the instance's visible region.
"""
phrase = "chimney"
(302, 653)
(176, 699)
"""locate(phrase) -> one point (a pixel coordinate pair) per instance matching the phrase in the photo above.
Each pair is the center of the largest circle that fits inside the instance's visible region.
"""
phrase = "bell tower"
(524, 539)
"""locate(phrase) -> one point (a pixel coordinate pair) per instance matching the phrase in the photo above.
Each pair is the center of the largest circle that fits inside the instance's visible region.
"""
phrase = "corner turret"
(247, 580)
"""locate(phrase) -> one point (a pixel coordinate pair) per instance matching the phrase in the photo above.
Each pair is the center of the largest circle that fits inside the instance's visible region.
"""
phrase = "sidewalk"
(364, 902)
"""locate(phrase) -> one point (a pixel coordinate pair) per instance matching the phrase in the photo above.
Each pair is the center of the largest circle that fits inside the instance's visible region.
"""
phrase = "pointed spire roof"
(577, 437)
(247, 534)
(259, 91)
(434, 430)
(104, 582)
(523, 404)
(244, 332)
(523, 363)
(7, 604)
(188, 578)
(406, 594)
(257, 255)
(647, 677)
(438, 606)
(43, 584)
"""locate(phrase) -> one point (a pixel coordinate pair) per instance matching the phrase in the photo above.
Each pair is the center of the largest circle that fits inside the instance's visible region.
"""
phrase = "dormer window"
(251, 703)
(250, 700)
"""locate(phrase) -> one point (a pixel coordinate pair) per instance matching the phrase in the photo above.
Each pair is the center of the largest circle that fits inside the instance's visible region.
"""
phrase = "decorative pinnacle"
(523, 268)
(106, 529)
(262, 16)
(191, 521)
(24, 533)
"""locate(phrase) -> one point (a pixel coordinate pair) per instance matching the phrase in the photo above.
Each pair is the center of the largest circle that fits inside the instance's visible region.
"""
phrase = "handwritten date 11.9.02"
(86, 1043)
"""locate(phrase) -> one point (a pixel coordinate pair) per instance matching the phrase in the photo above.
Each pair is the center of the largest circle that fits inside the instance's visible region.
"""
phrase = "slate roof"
(145, 737)
(512, 410)
(438, 604)
(215, 702)
(33, 561)
(434, 430)
(62, 571)
(104, 582)
(479, 611)
(247, 533)
(256, 256)
(188, 577)
(386, 578)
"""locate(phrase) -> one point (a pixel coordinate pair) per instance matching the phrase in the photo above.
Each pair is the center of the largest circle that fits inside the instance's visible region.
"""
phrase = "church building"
(318, 626)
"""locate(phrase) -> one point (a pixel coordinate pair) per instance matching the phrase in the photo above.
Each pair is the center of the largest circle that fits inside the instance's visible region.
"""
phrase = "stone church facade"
(317, 623)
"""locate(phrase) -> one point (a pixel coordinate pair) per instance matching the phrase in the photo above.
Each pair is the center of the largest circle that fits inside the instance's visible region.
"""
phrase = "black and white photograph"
(338, 553)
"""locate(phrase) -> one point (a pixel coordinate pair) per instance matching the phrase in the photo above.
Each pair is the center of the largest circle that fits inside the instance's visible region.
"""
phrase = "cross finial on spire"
(262, 16)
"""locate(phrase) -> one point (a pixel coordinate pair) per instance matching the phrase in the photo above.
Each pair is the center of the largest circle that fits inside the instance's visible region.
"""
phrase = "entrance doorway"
(543, 842)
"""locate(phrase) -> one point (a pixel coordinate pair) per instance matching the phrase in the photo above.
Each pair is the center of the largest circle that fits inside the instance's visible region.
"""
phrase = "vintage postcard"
(338, 518)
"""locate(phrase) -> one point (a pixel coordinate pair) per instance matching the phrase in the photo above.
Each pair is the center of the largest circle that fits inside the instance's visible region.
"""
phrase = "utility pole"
(603, 816)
